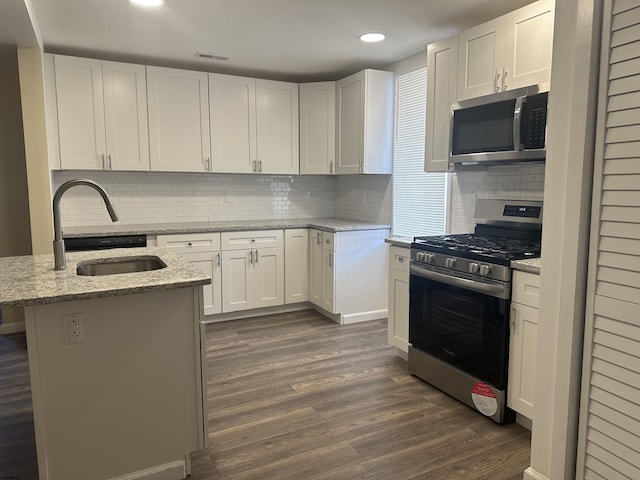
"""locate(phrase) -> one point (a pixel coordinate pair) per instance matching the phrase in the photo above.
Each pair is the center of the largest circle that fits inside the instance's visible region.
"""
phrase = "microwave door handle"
(517, 123)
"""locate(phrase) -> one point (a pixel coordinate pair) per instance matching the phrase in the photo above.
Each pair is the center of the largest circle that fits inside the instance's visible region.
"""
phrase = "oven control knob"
(429, 258)
(420, 256)
(485, 270)
(450, 262)
(474, 267)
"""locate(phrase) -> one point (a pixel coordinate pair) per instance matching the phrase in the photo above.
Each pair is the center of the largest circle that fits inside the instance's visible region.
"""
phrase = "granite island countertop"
(326, 224)
(31, 279)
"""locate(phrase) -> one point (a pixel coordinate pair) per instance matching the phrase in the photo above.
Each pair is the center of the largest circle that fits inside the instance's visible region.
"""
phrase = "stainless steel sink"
(112, 266)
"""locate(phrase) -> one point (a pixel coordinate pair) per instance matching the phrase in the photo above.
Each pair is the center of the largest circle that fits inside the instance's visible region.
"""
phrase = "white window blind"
(419, 198)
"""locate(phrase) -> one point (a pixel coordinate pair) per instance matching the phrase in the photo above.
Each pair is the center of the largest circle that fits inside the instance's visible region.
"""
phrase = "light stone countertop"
(399, 241)
(326, 224)
(530, 265)
(31, 279)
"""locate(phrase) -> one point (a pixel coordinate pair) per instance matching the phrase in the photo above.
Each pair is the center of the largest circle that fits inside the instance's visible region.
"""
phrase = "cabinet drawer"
(191, 242)
(252, 239)
(526, 288)
(328, 241)
(399, 258)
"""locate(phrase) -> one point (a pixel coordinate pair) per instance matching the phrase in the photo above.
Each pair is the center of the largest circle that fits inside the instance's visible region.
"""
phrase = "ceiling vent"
(212, 56)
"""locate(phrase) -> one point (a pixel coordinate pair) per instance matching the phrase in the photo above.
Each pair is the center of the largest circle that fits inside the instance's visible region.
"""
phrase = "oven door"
(461, 322)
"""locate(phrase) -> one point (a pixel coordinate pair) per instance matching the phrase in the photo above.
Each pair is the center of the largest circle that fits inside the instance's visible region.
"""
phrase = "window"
(419, 198)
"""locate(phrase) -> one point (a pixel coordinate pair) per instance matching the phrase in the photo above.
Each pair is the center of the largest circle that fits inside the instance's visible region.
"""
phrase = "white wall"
(363, 197)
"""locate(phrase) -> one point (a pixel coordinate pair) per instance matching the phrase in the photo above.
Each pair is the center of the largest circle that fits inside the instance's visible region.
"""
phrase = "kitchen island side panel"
(126, 398)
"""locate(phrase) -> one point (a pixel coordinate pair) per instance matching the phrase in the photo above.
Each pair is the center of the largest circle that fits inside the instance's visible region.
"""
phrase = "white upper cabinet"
(254, 125)
(233, 123)
(178, 120)
(364, 103)
(101, 114)
(508, 52)
(277, 127)
(442, 68)
(317, 128)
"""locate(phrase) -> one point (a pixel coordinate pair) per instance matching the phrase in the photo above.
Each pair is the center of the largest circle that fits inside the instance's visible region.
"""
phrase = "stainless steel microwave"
(504, 127)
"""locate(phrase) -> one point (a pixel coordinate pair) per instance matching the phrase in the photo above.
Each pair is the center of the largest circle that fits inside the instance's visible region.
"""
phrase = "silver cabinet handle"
(400, 259)
(504, 79)
(331, 259)
(318, 238)
(260, 166)
(513, 320)
(256, 255)
(254, 165)
(207, 163)
(218, 259)
(104, 162)
(495, 82)
(330, 167)
(109, 162)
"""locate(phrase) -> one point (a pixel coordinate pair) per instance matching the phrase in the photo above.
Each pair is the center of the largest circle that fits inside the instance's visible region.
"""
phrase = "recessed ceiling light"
(147, 3)
(372, 37)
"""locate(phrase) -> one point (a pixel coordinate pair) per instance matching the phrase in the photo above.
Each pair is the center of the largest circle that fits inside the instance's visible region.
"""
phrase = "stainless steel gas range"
(459, 295)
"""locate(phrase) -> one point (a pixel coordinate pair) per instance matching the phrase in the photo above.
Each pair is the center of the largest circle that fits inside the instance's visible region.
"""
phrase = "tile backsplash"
(154, 197)
(524, 182)
(151, 197)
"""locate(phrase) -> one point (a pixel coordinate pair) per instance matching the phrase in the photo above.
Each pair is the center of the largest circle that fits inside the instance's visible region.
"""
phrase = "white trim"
(258, 312)
(176, 470)
(8, 328)
(531, 474)
(364, 316)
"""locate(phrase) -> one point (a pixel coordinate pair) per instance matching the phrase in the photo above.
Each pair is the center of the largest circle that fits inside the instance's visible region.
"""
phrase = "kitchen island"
(115, 363)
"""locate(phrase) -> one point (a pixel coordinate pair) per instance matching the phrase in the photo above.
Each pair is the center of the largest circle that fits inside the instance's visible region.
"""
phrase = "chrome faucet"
(58, 243)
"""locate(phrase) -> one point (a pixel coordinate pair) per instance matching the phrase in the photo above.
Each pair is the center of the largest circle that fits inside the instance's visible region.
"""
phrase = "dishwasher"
(78, 244)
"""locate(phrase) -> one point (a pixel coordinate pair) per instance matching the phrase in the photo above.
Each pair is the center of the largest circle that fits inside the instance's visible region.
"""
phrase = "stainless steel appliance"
(459, 299)
(503, 127)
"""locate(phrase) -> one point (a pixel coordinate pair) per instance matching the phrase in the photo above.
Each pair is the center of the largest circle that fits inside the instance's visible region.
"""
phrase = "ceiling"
(296, 40)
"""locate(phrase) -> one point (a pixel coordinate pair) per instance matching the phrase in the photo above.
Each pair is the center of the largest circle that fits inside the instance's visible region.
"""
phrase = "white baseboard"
(7, 328)
(526, 422)
(531, 474)
(169, 471)
(363, 316)
(402, 354)
(257, 312)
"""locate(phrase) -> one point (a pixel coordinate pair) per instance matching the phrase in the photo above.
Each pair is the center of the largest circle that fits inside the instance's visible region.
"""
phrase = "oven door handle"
(498, 291)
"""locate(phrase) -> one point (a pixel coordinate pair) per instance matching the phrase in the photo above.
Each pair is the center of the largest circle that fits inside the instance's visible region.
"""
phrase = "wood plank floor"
(296, 396)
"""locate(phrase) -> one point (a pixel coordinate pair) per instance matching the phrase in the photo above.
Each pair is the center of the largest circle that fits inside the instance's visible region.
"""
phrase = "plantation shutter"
(609, 435)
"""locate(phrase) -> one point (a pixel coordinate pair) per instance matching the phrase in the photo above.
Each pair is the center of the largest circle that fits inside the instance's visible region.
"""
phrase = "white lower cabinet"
(348, 273)
(523, 342)
(203, 251)
(252, 269)
(296, 265)
(398, 319)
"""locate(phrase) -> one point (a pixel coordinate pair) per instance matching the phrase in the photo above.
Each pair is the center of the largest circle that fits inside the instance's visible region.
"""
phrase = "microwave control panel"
(536, 121)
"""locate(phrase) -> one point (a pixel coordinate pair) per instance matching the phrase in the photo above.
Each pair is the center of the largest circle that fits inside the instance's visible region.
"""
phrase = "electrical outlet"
(73, 328)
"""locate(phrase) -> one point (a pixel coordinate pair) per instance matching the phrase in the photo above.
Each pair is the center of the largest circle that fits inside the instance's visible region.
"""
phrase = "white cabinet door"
(522, 359)
(296, 264)
(442, 68)
(232, 103)
(315, 267)
(350, 117)
(210, 264)
(268, 277)
(480, 59)
(364, 103)
(317, 128)
(80, 113)
(178, 103)
(528, 43)
(398, 304)
(237, 278)
(125, 105)
(328, 281)
(203, 251)
(277, 127)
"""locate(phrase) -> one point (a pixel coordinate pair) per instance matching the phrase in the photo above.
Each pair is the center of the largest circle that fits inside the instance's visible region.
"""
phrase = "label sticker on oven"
(484, 399)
